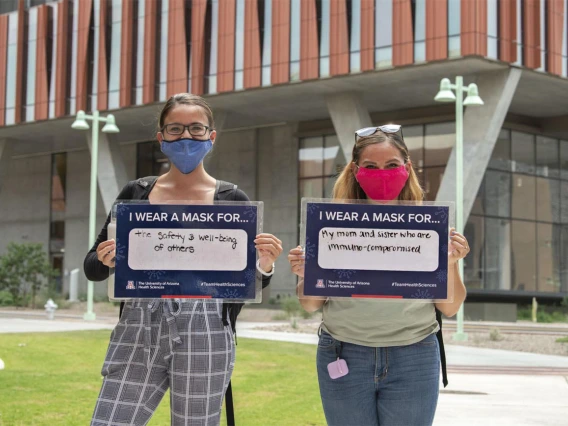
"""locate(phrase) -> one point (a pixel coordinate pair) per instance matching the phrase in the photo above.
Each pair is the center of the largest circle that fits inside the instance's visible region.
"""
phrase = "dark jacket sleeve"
(93, 267)
(241, 196)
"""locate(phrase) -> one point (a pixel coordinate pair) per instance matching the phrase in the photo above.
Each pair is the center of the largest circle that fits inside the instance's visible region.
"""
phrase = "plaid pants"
(177, 344)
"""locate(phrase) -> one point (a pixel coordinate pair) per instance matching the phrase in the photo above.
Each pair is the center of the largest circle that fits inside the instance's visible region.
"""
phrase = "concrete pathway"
(456, 355)
(24, 325)
(504, 400)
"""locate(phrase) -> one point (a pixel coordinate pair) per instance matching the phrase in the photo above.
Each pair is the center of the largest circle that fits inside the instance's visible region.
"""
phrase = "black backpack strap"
(147, 182)
(440, 337)
(225, 191)
(229, 407)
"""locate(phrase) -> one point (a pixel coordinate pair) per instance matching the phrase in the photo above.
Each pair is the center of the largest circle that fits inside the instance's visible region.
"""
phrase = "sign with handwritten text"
(376, 250)
(177, 251)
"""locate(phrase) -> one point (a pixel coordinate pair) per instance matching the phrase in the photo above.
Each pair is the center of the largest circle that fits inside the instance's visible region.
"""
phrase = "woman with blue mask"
(185, 345)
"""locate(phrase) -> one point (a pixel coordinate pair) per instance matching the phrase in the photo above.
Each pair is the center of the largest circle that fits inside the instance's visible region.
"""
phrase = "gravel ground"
(540, 344)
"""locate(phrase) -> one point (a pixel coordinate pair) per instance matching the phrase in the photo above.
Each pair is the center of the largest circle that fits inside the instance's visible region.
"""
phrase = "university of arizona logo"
(130, 285)
(320, 284)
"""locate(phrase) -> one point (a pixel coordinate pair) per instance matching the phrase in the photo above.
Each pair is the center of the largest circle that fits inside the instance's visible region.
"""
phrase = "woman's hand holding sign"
(106, 253)
(297, 261)
(458, 248)
(269, 248)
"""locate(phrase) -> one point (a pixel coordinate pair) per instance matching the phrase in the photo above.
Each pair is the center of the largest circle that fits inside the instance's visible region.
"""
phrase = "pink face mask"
(382, 184)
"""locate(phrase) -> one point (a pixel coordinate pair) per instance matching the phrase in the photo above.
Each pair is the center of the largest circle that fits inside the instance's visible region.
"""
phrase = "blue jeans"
(389, 386)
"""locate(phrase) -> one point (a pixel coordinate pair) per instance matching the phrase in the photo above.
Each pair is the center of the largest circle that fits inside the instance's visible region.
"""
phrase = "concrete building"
(290, 81)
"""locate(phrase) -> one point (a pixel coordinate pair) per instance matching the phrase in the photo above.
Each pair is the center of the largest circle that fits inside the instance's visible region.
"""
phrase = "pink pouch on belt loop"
(337, 368)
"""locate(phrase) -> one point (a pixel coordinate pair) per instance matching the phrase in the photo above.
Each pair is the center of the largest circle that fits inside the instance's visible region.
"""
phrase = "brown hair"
(347, 188)
(186, 99)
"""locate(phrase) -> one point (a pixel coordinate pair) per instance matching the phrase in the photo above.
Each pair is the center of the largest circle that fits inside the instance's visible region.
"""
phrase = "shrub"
(24, 270)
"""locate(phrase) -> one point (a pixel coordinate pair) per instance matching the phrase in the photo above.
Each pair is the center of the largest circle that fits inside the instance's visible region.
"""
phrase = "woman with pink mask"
(390, 348)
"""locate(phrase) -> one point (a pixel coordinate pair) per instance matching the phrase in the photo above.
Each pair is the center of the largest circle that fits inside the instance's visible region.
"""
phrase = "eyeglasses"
(194, 129)
(386, 128)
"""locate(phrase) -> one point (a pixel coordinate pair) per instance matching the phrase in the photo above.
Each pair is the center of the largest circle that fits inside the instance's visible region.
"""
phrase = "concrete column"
(348, 114)
(111, 175)
(481, 128)
(278, 188)
(5, 157)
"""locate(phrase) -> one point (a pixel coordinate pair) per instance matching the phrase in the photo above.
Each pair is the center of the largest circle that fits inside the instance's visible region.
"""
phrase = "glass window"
(564, 159)
(11, 68)
(524, 197)
(564, 202)
(564, 257)
(96, 34)
(439, 142)
(478, 202)
(311, 188)
(548, 246)
(383, 33)
(324, 38)
(497, 254)
(114, 75)
(565, 47)
(311, 157)
(211, 73)
(140, 52)
(548, 200)
(524, 255)
(52, 72)
(321, 161)
(547, 157)
(295, 19)
(519, 38)
(151, 161)
(501, 155)
(543, 27)
(240, 45)
(163, 77)
(473, 263)
(492, 28)
(57, 216)
(7, 6)
(497, 194)
(31, 65)
(414, 140)
(333, 157)
(419, 31)
(454, 28)
(355, 48)
(267, 43)
(74, 46)
(523, 152)
(328, 188)
(433, 179)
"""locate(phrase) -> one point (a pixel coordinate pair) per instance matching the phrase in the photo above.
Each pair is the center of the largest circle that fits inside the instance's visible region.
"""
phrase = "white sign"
(187, 249)
(378, 249)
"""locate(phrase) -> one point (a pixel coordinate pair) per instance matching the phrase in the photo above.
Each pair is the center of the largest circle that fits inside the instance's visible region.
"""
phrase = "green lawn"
(54, 379)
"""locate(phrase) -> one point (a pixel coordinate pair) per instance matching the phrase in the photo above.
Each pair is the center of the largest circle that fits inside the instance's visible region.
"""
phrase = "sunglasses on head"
(386, 128)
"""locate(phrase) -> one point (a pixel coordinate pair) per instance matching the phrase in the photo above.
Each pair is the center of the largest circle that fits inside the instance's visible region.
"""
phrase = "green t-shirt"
(379, 323)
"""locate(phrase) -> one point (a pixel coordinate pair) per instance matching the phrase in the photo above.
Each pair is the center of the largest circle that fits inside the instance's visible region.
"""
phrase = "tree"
(24, 270)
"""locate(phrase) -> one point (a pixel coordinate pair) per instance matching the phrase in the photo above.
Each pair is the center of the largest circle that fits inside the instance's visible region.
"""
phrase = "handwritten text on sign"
(378, 249)
(187, 249)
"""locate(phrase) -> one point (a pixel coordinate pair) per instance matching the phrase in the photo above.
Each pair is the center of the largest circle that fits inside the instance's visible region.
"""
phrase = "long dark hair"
(186, 99)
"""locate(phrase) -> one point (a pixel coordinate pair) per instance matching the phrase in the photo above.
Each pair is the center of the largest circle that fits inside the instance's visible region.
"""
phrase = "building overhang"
(539, 96)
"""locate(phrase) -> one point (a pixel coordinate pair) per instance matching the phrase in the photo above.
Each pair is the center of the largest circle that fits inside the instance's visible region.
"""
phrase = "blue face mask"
(186, 154)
